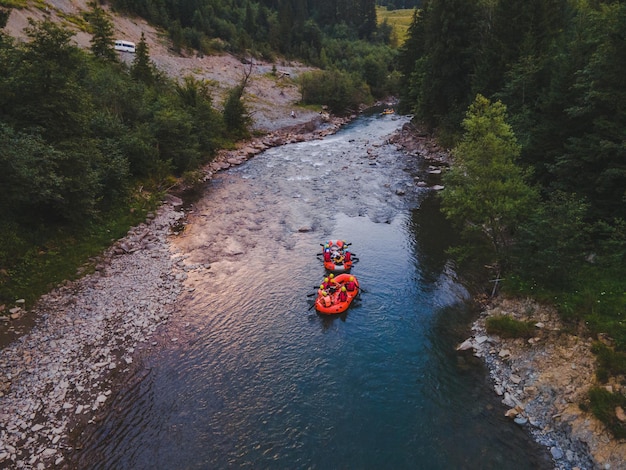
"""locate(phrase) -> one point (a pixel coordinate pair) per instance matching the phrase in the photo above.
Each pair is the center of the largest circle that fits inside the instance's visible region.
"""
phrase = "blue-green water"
(249, 376)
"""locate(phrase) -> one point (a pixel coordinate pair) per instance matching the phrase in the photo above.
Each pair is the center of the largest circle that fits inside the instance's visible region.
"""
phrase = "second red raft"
(328, 300)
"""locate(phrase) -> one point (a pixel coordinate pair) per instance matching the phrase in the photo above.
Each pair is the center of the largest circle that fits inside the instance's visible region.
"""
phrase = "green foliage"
(603, 404)
(592, 290)
(442, 73)
(373, 64)
(559, 68)
(102, 33)
(485, 190)
(77, 133)
(600, 298)
(13, 4)
(609, 361)
(143, 68)
(30, 180)
(599, 149)
(44, 92)
(399, 20)
(612, 241)
(4, 17)
(508, 327)
(329, 34)
(207, 124)
(550, 244)
(34, 261)
(236, 116)
(341, 92)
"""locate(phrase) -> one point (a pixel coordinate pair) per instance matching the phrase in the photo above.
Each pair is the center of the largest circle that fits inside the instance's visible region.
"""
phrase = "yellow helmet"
(325, 279)
(331, 275)
(321, 286)
(352, 278)
(343, 288)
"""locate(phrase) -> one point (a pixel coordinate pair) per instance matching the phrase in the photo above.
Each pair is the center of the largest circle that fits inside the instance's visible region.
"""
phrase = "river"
(247, 375)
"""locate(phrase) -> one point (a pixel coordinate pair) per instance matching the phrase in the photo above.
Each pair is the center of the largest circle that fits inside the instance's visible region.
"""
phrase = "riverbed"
(233, 368)
(247, 374)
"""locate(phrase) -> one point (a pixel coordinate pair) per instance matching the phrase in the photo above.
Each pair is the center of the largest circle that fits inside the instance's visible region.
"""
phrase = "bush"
(603, 404)
(610, 362)
(508, 327)
(551, 243)
(340, 91)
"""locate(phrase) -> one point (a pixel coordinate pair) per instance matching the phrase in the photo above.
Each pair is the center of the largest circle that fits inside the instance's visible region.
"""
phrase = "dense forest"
(529, 96)
(557, 67)
(399, 4)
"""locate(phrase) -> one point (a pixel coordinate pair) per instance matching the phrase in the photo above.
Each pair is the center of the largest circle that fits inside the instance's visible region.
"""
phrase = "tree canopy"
(558, 68)
(486, 191)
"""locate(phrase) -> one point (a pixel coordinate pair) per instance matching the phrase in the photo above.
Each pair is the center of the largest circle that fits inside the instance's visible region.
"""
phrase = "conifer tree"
(102, 30)
(367, 18)
(485, 191)
(442, 75)
(143, 69)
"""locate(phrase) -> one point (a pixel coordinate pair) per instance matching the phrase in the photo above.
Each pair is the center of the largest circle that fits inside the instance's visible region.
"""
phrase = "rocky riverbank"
(60, 373)
(542, 382)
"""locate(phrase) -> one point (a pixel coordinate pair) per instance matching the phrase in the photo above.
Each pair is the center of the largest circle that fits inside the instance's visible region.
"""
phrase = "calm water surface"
(249, 376)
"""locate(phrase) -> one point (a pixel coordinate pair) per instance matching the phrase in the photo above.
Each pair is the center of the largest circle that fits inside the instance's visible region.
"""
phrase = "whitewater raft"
(328, 300)
(336, 258)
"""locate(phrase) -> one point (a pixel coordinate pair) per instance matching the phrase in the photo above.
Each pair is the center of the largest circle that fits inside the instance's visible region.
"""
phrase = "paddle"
(311, 306)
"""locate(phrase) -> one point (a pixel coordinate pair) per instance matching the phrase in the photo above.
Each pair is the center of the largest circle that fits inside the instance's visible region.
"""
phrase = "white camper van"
(124, 46)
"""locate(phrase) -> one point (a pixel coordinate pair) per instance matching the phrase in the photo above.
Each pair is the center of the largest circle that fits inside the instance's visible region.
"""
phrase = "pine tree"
(102, 30)
(367, 18)
(442, 76)
(143, 69)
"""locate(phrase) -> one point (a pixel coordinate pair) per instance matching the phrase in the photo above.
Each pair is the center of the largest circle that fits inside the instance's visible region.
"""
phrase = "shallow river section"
(248, 375)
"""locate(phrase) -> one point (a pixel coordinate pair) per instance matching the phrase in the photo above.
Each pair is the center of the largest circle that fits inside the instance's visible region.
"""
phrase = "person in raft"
(343, 295)
(337, 257)
(327, 301)
(331, 279)
(347, 256)
(326, 255)
(350, 285)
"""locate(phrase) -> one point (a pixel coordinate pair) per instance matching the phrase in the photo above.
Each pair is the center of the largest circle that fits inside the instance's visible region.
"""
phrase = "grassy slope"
(400, 20)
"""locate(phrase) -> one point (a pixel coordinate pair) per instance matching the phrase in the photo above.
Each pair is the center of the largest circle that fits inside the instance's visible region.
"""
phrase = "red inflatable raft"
(336, 258)
(328, 302)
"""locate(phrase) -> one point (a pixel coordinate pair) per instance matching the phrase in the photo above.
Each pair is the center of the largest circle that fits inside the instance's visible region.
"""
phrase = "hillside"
(399, 20)
(270, 98)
